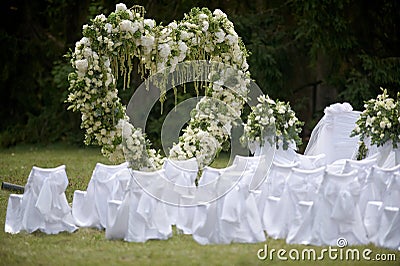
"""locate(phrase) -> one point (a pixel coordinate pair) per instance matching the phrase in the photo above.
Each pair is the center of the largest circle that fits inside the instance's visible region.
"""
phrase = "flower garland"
(274, 121)
(380, 121)
(106, 51)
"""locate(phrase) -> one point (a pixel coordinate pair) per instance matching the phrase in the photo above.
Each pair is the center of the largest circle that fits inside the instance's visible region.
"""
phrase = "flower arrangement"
(274, 121)
(380, 121)
(106, 51)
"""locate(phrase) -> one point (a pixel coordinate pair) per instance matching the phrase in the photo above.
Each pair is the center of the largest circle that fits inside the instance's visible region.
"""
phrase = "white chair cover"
(233, 217)
(301, 190)
(43, 206)
(389, 228)
(206, 213)
(89, 208)
(271, 191)
(331, 135)
(376, 185)
(363, 167)
(259, 165)
(207, 185)
(311, 161)
(141, 215)
(183, 174)
(389, 224)
(336, 212)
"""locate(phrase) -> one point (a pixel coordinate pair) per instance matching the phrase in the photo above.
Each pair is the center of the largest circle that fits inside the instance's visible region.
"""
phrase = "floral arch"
(106, 51)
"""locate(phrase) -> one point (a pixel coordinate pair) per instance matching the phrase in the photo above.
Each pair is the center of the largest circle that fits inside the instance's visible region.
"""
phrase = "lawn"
(89, 246)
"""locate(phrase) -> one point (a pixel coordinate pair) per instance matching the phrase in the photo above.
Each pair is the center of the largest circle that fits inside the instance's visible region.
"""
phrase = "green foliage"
(351, 46)
(268, 48)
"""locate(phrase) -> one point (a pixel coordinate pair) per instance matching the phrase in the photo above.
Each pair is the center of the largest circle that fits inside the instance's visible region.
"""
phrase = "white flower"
(205, 26)
(281, 109)
(81, 65)
(120, 7)
(382, 124)
(126, 25)
(147, 41)
(165, 50)
(108, 27)
(149, 22)
(100, 17)
(220, 34)
(203, 16)
(182, 46)
(219, 14)
(232, 39)
(173, 25)
(184, 35)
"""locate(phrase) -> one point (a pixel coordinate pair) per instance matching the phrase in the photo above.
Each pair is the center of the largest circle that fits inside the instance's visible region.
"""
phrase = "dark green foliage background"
(309, 52)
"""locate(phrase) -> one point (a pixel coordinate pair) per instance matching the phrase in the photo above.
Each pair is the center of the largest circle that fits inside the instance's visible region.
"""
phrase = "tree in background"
(309, 52)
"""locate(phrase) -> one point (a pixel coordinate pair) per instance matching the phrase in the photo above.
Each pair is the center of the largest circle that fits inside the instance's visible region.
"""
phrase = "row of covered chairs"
(297, 197)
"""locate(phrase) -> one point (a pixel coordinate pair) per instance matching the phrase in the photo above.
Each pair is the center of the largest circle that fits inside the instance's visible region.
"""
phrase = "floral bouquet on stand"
(272, 121)
(380, 122)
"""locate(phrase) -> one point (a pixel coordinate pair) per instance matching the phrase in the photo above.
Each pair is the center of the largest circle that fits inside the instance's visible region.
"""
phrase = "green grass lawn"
(89, 246)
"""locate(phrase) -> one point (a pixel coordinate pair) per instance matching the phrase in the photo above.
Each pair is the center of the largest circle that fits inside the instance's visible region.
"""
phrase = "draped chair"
(298, 197)
(311, 161)
(389, 226)
(382, 201)
(182, 175)
(336, 214)
(331, 135)
(373, 193)
(271, 191)
(233, 216)
(141, 215)
(363, 167)
(43, 206)
(89, 208)
(205, 227)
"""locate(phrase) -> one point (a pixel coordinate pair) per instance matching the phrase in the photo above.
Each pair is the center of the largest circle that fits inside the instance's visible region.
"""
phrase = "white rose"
(218, 13)
(150, 23)
(205, 26)
(147, 41)
(81, 65)
(232, 39)
(203, 16)
(85, 41)
(382, 124)
(108, 27)
(182, 47)
(173, 25)
(120, 7)
(165, 50)
(220, 36)
(126, 26)
(184, 35)
(100, 17)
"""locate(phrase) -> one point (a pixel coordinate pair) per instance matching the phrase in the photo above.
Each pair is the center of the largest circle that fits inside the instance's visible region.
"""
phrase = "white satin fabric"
(43, 206)
(89, 208)
(271, 191)
(300, 192)
(336, 211)
(182, 175)
(389, 228)
(141, 215)
(376, 185)
(331, 136)
(382, 211)
(233, 216)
